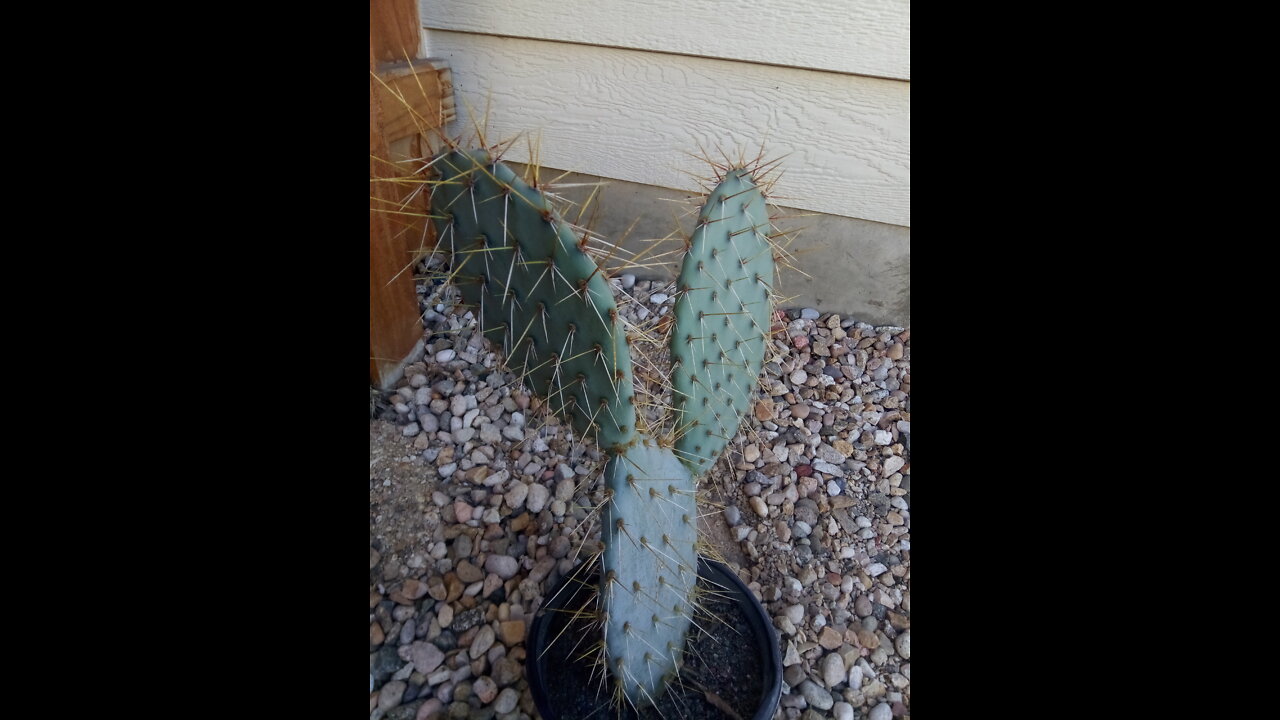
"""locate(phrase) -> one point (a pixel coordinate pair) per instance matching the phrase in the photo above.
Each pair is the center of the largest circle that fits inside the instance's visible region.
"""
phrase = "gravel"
(478, 504)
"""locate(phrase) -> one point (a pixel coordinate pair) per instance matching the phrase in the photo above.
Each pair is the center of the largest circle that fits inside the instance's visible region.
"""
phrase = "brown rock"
(469, 573)
(512, 632)
(895, 351)
(413, 589)
(764, 410)
(829, 638)
(800, 410)
(436, 588)
(374, 557)
(868, 639)
(843, 447)
(805, 471)
(376, 635)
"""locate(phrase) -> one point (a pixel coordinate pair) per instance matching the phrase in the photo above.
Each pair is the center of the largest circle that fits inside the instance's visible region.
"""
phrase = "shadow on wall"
(860, 269)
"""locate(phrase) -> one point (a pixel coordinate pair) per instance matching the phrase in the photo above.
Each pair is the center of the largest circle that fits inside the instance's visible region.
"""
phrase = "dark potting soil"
(722, 668)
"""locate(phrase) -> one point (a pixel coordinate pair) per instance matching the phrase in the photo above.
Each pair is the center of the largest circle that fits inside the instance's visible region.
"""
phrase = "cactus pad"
(721, 319)
(650, 567)
(533, 288)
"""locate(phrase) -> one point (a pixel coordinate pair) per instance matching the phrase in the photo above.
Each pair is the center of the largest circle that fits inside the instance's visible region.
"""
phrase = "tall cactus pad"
(721, 319)
(519, 266)
(650, 567)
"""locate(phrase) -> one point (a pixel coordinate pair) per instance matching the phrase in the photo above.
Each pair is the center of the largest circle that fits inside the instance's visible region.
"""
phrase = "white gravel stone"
(628, 281)
(892, 465)
(504, 566)
(506, 701)
(855, 677)
(658, 298)
(826, 467)
(883, 437)
(516, 496)
(833, 672)
(833, 488)
(881, 712)
(815, 695)
(538, 496)
(446, 355)
(517, 419)
(565, 488)
(795, 613)
(903, 645)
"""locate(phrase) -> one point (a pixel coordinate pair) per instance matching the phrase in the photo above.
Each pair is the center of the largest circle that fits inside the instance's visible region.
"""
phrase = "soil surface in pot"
(722, 677)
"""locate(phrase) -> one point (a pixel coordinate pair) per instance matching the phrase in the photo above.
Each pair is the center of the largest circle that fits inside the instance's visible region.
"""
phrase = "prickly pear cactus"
(721, 319)
(535, 289)
(532, 287)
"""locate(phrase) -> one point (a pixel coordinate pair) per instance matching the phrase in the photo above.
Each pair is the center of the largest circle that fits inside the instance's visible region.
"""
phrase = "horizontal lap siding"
(866, 37)
(631, 114)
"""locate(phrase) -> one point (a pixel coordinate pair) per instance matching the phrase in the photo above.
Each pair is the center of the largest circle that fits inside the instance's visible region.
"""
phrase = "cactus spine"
(535, 289)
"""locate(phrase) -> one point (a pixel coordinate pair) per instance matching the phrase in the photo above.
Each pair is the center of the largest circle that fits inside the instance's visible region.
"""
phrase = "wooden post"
(407, 96)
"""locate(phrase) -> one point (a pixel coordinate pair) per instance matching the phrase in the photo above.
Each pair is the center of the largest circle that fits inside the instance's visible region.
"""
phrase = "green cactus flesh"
(650, 567)
(721, 319)
(531, 286)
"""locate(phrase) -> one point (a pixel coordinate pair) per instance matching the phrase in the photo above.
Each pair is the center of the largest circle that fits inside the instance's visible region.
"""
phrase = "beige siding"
(630, 114)
(863, 37)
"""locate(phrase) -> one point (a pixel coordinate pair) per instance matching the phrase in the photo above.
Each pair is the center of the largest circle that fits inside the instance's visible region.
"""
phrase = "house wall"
(630, 91)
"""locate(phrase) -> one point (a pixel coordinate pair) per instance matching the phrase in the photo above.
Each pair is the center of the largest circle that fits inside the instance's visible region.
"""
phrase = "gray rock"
(658, 298)
(504, 566)
(391, 694)
(515, 497)
(892, 465)
(538, 496)
(411, 429)
(489, 434)
(564, 488)
(506, 701)
(425, 657)
(855, 677)
(833, 672)
(628, 281)
(446, 471)
(903, 645)
(816, 696)
(809, 314)
(881, 712)
(513, 433)
(795, 613)
(732, 515)
(482, 642)
(842, 711)
(417, 381)
(430, 423)
(826, 467)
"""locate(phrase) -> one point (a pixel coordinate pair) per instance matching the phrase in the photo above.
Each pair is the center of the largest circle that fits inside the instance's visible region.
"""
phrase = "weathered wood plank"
(868, 37)
(416, 98)
(631, 114)
(395, 30)
(394, 324)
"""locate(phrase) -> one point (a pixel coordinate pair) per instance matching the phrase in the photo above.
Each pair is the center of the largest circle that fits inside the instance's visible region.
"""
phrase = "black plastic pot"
(546, 674)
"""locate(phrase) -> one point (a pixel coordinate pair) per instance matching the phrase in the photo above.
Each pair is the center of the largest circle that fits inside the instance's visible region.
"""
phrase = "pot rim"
(764, 636)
